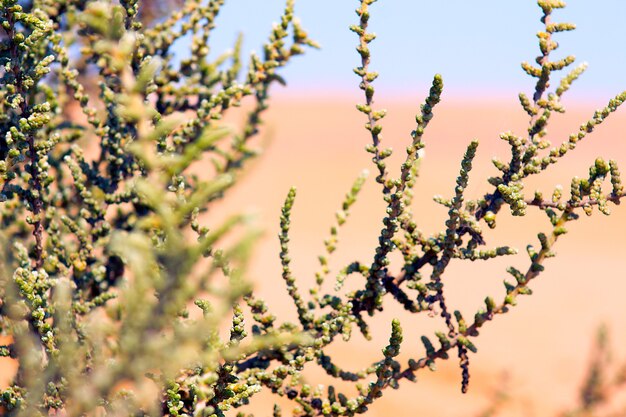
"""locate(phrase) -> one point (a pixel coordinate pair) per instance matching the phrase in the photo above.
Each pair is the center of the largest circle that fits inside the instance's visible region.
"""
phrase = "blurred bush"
(114, 293)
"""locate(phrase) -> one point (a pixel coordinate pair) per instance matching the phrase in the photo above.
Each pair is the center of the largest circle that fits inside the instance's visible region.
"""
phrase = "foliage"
(599, 393)
(602, 384)
(114, 292)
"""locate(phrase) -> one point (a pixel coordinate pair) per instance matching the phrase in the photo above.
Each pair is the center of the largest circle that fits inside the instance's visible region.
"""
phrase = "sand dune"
(543, 344)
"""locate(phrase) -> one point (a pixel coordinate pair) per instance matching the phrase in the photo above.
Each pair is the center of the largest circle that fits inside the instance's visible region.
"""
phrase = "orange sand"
(543, 344)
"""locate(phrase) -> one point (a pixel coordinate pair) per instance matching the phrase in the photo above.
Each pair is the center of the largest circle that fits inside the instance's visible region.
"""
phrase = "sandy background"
(317, 144)
(544, 344)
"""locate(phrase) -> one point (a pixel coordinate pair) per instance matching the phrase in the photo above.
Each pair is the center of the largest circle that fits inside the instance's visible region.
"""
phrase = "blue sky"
(477, 45)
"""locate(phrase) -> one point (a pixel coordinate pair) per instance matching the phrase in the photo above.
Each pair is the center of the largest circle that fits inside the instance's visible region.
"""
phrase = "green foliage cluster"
(113, 291)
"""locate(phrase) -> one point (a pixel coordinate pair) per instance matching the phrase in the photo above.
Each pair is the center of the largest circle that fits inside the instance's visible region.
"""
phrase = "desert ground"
(542, 347)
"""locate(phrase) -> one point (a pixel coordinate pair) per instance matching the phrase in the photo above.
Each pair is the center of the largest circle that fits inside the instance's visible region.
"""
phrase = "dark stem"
(35, 197)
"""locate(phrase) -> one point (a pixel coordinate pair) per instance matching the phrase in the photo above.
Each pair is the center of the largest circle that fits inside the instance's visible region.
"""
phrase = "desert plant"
(603, 383)
(114, 292)
(599, 394)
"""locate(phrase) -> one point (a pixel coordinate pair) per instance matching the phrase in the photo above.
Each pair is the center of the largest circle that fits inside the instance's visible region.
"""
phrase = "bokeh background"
(477, 46)
(314, 140)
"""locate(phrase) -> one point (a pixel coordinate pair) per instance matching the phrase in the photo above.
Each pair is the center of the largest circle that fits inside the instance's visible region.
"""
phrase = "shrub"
(114, 291)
